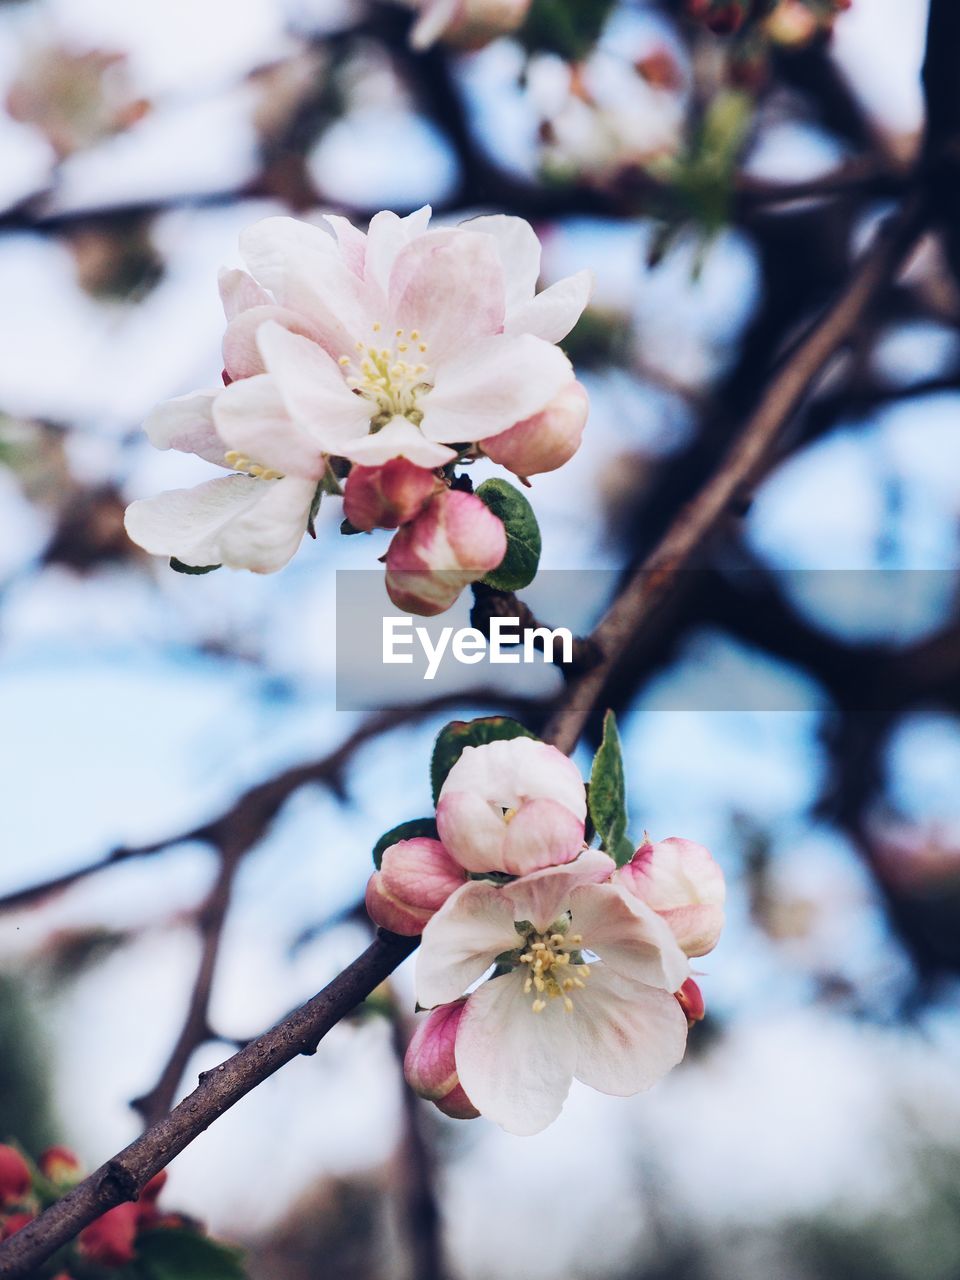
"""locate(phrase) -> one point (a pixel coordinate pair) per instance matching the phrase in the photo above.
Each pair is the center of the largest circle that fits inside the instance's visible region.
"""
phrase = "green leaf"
(607, 795)
(412, 830)
(567, 27)
(179, 567)
(469, 733)
(171, 1253)
(519, 566)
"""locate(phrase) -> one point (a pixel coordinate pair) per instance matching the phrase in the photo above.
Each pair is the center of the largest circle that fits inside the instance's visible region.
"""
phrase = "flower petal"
(553, 313)
(234, 520)
(253, 420)
(450, 287)
(313, 389)
(461, 942)
(398, 439)
(492, 385)
(186, 424)
(386, 236)
(517, 769)
(239, 292)
(242, 357)
(435, 17)
(519, 250)
(472, 829)
(543, 896)
(543, 833)
(628, 936)
(516, 1066)
(352, 242)
(628, 1036)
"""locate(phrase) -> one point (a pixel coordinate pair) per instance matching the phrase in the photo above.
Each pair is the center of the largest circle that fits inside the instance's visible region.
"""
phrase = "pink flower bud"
(415, 879)
(109, 1240)
(547, 440)
(683, 884)
(455, 540)
(690, 998)
(387, 496)
(15, 1177)
(430, 1064)
(16, 1222)
(59, 1165)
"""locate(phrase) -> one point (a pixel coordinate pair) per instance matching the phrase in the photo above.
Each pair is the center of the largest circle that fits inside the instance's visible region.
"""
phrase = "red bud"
(690, 998)
(15, 1177)
(60, 1165)
(109, 1240)
(16, 1222)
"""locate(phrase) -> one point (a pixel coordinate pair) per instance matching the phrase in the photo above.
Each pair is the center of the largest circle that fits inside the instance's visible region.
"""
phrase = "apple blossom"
(454, 541)
(415, 879)
(404, 342)
(547, 440)
(690, 999)
(387, 496)
(583, 988)
(467, 23)
(60, 1165)
(681, 882)
(15, 1177)
(512, 806)
(430, 1063)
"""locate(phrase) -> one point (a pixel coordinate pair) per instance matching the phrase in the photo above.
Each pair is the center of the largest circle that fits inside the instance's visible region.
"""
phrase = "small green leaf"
(348, 529)
(469, 733)
(607, 795)
(518, 567)
(412, 830)
(172, 1253)
(179, 567)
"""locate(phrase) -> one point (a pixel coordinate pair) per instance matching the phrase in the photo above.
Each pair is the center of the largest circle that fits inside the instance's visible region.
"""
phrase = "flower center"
(391, 376)
(557, 967)
(238, 462)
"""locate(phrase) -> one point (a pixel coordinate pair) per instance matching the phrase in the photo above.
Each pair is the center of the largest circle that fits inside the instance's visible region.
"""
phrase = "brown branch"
(751, 452)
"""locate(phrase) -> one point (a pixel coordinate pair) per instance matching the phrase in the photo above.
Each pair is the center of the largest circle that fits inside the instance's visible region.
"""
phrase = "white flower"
(587, 991)
(397, 343)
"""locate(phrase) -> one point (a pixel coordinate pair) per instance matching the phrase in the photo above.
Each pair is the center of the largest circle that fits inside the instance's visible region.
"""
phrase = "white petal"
(461, 942)
(352, 242)
(512, 770)
(628, 1036)
(386, 236)
(628, 936)
(312, 387)
(239, 292)
(515, 1065)
(553, 313)
(492, 385)
(253, 420)
(186, 424)
(543, 896)
(519, 252)
(398, 439)
(234, 520)
(242, 357)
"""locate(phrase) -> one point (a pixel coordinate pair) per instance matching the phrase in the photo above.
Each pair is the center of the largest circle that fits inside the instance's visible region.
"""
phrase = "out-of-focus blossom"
(387, 496)
(60, 1165)
(430, 1064)
(583, 988)
(110, 1240)
(468, 24)
(681, 882)
(415, 879)
(15, 1222)
(547, 440)
(75, 98)
(512, 806)
(454, 541)
(794, 23)
(14, 1175)
(723, 17)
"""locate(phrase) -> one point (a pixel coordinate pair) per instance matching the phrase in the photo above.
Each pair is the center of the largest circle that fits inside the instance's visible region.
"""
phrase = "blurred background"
(180, 796)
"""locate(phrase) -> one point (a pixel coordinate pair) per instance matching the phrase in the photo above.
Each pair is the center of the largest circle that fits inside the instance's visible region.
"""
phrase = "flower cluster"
(382, 359)
(542, 960)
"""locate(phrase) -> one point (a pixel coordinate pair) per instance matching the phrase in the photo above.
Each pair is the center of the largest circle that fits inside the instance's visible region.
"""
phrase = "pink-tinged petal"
(457, 1105)
(553, 313)
(252, 419)
(186, 424)
(472, 830)
(492, 385)
(682, 882)
(448, 286)
(387, 496)
(435, 17)
(476, 536)
(386, 236)
(518, 769)
(627, 1036)
(398, 439)
(302, 266)
(547, 440)
(388, 912)
(461, 942)
(515, 1065)
(542, 833)
(239, 292)
(235, 520)
(630, 938)
(519, 250)
(430, 1064)
(242, 357)
(543, 896)
(421, 872)
(352, 242)
(312, 388)
(696, 929)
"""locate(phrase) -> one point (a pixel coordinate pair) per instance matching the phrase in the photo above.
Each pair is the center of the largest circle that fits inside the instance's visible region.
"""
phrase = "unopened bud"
(110, 1240)
(547, 440)
(15, 1177)
(684, 885)
(60, 1165)
(387, 496)
(430, 1064)
(455, 540)
(690, 998)
(415, 879)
